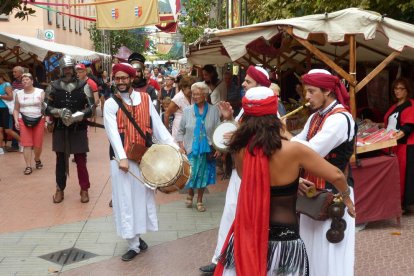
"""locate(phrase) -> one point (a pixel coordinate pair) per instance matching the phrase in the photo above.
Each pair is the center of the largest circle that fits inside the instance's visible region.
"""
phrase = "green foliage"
(23, 12)
(200, 14)
(261, 11)
(128, 38)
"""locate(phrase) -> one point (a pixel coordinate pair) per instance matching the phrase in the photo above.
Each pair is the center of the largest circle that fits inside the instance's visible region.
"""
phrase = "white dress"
(181, 101)
(133, 203)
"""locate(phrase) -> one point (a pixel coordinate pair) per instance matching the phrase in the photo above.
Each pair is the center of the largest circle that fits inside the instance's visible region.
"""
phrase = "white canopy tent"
(376, 36)
(20, 49)
(338, 39)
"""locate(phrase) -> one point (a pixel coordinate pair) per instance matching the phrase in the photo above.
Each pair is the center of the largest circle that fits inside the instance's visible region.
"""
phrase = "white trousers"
(133, 243)
(229, 212)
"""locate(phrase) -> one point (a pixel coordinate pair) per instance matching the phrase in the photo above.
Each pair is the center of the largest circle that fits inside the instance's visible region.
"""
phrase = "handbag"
(315, 207)
(136, 151)
(30, 121)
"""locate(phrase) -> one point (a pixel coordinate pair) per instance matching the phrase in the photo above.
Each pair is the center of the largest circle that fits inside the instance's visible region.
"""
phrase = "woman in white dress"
(180, 101)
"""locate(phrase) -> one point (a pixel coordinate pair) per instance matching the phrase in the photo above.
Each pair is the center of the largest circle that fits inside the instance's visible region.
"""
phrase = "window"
(64, 22)
(49, 16)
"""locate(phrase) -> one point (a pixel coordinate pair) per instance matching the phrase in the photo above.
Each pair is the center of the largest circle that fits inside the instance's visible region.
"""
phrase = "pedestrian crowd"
(269, 169)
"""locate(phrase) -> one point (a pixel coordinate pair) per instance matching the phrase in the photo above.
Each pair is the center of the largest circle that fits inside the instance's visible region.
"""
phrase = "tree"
(200, 14)
(135, 41)
(8, 6)
(261, 11)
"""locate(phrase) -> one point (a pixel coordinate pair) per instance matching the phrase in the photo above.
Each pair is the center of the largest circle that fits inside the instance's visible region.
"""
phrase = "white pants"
(228, 213)
(133, 243)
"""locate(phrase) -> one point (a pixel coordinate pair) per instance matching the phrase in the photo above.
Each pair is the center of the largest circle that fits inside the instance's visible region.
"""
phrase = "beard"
(139, 82)
(126, 90)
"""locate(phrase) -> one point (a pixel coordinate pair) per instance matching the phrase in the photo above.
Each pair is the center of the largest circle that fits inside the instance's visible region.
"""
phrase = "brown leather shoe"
(84, 196)
(58, 196)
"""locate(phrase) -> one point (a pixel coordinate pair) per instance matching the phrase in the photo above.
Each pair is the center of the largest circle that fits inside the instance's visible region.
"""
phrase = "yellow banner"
(129, 14)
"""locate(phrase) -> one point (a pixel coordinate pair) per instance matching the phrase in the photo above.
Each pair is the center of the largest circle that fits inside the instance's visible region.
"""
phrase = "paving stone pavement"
(20, 251)
(31, 226)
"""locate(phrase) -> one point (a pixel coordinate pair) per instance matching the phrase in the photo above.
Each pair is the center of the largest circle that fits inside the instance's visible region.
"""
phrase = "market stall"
(31, 52)
(338, 40)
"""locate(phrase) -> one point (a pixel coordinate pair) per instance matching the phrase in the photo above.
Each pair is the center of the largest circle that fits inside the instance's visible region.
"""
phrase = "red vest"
(141, 114)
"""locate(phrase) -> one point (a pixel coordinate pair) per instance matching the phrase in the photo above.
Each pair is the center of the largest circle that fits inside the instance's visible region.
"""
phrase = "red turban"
(259, 101)
(332, 83)
(258, 75)
(124, 67)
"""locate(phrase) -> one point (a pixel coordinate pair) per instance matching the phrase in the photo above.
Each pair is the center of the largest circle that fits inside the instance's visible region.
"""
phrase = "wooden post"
(352, 73)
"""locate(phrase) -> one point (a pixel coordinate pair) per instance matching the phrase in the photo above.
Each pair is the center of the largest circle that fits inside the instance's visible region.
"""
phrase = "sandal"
(200, 207)
(39, 164)
(189, 202)
(27, 171)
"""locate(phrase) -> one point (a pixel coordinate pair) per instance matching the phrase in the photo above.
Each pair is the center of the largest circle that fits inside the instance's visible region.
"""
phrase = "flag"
(170, 27)
(128, 14)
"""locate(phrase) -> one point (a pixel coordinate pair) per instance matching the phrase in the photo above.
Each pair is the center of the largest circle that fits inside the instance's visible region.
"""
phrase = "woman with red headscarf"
(264, 238)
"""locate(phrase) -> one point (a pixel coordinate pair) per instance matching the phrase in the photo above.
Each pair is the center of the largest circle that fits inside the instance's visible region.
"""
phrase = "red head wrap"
(259, 101)
(259, 76)
(327, 81)
(124, 67)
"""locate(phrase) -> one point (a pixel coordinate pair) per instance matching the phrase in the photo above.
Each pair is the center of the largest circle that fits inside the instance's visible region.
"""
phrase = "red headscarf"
(250, 228)
(258, 74)
(124, 67)
(323, 79)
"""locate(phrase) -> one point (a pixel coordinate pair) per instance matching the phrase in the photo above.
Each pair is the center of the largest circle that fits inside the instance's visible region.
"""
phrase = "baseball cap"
(80, 66)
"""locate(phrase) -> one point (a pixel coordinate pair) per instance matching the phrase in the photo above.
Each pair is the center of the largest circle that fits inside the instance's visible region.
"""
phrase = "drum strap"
(147, 138)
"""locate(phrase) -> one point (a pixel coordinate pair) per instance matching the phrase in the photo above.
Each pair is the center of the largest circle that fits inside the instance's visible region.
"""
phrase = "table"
(377, 189)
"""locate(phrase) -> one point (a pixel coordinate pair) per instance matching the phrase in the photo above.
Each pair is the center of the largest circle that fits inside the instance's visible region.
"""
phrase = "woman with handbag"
(264, 238)
(30, 121)
(195, 139)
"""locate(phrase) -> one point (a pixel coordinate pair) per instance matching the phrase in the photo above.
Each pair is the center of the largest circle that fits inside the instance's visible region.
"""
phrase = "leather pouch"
(135, 152)
(315, 207)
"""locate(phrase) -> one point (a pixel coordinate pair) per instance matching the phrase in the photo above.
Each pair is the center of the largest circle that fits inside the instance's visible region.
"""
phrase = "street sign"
(49, 35)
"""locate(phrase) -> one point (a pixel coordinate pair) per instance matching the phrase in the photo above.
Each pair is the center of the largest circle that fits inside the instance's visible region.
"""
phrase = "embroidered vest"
(141, 114)
(339, 156)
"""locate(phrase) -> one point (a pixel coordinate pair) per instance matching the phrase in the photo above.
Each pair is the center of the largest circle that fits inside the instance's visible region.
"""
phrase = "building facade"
(47, 24)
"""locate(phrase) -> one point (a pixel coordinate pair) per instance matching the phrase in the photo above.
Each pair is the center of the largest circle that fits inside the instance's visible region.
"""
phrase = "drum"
(219, 142)
(164, 168)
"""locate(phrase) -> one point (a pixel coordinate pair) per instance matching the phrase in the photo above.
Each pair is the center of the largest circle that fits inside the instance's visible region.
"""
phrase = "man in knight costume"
(69, 102)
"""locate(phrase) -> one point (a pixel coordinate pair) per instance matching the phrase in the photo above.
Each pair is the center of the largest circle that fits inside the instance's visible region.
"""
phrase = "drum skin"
(163, 167)
(221, 129)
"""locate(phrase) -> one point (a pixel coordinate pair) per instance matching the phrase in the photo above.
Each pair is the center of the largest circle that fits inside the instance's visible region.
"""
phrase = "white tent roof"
(32, 45)
(376, 38)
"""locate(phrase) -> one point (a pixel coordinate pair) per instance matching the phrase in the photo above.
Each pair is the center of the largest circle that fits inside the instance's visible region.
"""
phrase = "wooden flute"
(295, 111)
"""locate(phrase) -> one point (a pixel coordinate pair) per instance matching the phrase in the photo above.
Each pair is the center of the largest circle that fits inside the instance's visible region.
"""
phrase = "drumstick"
(136, 177)
(295, 111)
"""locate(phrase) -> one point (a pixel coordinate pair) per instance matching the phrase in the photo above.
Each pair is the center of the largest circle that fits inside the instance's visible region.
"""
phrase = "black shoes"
(208, 268)
(132, 253)
(129, 255)
(142, 245)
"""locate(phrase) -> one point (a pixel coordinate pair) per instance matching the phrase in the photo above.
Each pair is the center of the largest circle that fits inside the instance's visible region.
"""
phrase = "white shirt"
(111, 126)
(333, 133)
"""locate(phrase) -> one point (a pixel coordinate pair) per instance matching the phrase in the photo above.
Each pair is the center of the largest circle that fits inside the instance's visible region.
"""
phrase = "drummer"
(133, 203)
(255, 76)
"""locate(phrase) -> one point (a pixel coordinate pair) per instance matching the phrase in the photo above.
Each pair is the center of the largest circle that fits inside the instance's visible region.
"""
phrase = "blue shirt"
(3, 87)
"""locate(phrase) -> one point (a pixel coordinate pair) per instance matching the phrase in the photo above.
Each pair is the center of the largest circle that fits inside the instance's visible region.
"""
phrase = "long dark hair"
(263, 132)
(211, 70)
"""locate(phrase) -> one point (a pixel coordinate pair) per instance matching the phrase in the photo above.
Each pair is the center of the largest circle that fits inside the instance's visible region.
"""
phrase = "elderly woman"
(195, 138)
(180, 101)
(6, 94)
(29, 120)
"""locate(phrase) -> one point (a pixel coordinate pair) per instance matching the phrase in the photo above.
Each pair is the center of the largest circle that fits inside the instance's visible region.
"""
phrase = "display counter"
(377, 189)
